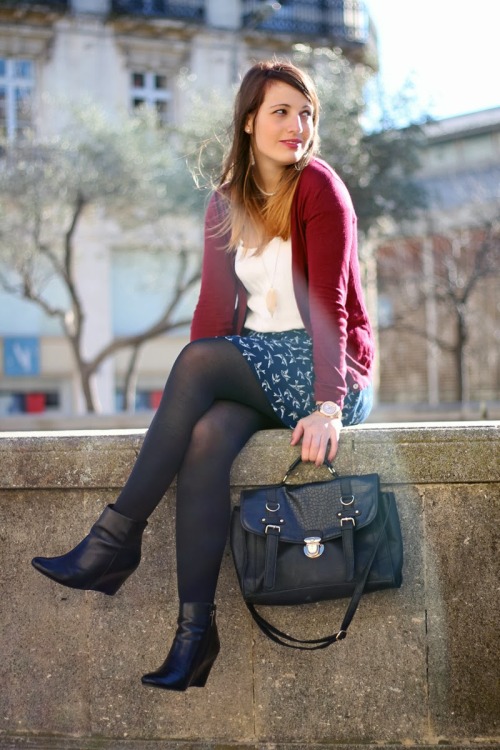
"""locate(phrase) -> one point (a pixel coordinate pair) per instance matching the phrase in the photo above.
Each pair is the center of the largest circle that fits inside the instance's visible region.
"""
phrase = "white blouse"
(268, 280)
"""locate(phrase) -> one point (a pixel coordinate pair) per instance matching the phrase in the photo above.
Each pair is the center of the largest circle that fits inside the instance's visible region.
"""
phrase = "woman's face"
(282, 128)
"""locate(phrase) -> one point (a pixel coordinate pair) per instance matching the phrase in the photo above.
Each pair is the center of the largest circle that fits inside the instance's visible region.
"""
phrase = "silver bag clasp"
(313, 546)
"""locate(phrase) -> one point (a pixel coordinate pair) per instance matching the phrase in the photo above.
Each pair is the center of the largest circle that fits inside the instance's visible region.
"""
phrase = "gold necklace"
(272, 295)
(268, 195)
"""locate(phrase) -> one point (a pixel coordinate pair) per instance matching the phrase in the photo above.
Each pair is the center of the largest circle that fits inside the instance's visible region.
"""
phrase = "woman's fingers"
(297, 434)
(314, 446)
(316, 435)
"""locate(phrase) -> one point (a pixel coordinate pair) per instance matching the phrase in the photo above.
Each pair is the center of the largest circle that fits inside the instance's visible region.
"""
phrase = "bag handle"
(313, 644)
(298, 461)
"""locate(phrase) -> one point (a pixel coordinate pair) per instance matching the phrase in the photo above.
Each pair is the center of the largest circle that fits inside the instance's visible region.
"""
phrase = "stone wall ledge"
(420, 665)
(400, 453)
(57, 743)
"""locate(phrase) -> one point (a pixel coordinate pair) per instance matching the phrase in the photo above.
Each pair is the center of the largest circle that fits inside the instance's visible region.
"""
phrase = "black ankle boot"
(103, 560)
(193, 651)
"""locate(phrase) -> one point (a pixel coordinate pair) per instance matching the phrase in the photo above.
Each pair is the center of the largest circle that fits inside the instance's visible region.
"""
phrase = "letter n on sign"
(21, 355)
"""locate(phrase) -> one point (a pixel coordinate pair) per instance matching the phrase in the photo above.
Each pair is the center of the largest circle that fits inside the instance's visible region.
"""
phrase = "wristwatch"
(330, 409)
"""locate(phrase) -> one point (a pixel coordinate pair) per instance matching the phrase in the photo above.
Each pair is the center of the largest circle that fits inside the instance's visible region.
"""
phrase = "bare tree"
(135, 173)
(46, 188)
(440, 289)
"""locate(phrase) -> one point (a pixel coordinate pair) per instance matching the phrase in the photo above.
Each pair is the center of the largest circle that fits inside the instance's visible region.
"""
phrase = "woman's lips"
(294, 145)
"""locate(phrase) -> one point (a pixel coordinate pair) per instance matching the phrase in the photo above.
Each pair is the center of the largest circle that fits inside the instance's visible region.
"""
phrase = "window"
(150, 90)
(13, 401)
(145, 399)
(16, 94)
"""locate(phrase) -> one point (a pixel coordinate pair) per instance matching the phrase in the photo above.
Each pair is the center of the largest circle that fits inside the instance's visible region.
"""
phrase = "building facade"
(434, 346)
(122, 54)
(439, 276)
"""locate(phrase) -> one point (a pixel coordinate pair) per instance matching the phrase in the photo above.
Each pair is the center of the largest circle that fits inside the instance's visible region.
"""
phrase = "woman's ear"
(249, 124)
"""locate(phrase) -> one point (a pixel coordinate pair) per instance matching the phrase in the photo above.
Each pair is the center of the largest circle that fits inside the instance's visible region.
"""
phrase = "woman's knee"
(189, 367)
(190, 356)
(198, 353)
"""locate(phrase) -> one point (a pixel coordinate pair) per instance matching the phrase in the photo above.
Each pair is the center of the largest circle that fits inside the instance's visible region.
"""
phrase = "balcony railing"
(346, 20)
(343, 20)
(186, 10)
(18, 4)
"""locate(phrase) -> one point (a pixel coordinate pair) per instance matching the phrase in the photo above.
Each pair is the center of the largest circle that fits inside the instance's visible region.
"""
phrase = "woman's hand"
(317, 432)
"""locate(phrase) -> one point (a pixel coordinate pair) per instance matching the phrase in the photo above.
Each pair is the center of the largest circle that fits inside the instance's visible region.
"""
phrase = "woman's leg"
(206, 371)
(203, 500)
(202, 520)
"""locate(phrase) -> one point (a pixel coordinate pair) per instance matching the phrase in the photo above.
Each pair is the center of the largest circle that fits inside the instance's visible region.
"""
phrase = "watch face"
(329, 408)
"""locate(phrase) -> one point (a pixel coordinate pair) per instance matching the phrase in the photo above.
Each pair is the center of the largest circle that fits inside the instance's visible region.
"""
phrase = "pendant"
(271, 301)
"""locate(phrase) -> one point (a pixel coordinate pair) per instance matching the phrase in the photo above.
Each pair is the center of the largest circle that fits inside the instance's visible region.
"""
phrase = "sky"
(449, 49)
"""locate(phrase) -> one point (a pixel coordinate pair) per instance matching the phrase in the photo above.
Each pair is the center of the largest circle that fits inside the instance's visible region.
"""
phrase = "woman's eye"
(306, 114)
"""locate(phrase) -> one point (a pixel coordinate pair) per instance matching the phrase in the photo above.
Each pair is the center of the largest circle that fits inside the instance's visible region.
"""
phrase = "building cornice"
(464, 126)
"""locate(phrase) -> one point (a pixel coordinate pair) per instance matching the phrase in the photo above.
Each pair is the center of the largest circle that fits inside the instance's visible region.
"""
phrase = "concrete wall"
(420, 665)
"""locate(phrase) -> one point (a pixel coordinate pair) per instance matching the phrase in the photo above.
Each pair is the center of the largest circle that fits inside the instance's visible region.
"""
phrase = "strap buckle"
(347, 518)
(272, 526)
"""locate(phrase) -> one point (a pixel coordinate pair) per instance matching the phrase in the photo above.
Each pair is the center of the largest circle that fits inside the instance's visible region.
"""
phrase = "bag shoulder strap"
(347, 529)
(313, 644)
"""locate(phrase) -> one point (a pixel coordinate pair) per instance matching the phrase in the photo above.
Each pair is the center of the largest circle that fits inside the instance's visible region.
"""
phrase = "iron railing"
(186, 10)
(345, 20)
(55, 4)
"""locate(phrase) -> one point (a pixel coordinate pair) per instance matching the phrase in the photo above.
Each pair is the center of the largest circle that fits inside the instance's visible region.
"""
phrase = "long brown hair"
(268, 216)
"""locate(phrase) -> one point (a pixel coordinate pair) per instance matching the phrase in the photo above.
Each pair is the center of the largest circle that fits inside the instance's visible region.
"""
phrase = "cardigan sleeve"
(327, 237)
(215, 311)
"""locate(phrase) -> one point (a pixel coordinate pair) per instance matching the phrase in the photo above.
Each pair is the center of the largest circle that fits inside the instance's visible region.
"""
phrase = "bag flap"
(313, 509)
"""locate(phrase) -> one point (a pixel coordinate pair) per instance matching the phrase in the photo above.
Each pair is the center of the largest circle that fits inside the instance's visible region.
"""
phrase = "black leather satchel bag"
(302, 543)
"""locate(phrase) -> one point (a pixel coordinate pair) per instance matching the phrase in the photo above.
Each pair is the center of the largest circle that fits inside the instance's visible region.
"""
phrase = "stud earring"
(247, 129)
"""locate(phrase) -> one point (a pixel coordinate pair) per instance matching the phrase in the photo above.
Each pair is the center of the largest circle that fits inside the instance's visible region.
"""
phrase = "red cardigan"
(326, 281)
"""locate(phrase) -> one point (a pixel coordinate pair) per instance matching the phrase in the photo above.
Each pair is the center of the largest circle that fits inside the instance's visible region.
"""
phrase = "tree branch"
(25, 290)
(162, 325)
(408, 328)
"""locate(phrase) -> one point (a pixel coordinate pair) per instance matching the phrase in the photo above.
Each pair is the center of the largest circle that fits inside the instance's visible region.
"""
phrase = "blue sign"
(21, 355)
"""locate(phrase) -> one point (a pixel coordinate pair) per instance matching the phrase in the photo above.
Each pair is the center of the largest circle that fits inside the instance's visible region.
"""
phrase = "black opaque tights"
(211, 405)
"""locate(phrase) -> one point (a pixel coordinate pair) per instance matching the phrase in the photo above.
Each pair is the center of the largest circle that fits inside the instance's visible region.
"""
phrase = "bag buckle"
(313, 547)
(345, 519)
(272, 526)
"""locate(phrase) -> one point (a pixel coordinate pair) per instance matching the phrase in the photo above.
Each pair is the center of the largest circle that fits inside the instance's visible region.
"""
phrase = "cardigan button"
(355, 386)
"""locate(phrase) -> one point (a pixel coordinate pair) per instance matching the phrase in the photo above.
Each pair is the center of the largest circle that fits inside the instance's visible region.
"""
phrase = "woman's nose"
(296, 125)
